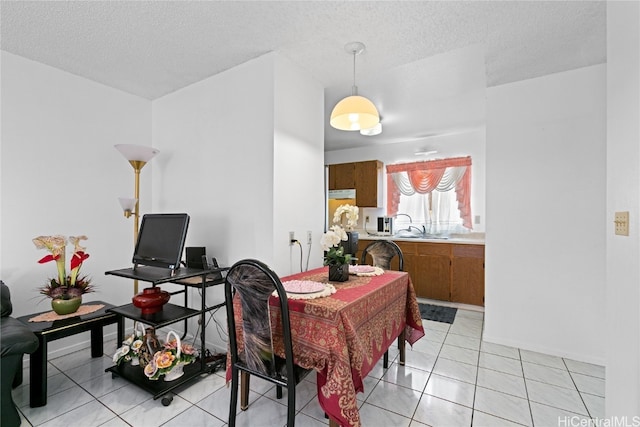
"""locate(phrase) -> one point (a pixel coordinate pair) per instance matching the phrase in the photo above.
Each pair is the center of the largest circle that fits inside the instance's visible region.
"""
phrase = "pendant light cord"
(354, 88)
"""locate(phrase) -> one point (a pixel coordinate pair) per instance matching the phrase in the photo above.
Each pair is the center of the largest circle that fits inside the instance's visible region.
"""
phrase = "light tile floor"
(451, 378)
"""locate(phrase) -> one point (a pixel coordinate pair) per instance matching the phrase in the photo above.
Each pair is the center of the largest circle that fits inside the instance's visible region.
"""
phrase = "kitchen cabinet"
(433, 270)
(365, 177)
(341, 176)
(467, 274)
(443, 271)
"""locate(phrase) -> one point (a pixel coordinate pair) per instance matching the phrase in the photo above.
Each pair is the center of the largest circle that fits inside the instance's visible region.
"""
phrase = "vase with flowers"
(350, 214)
(335, 256)
(171, 359)
(64, 290)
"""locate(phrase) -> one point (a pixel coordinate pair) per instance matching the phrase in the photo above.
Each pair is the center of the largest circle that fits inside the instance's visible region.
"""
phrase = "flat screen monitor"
(161, 240)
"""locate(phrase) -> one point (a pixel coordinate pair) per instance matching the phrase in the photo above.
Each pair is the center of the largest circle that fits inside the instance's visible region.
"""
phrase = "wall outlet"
(622, 223)
(309, 237)
(292, 237)
(366, 219)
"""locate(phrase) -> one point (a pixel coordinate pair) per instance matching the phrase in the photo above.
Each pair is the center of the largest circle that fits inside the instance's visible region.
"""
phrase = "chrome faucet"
(411, 226)
(407, 215)
(423, 231)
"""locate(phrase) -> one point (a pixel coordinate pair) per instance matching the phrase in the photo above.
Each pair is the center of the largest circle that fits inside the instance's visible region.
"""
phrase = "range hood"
(342, 194)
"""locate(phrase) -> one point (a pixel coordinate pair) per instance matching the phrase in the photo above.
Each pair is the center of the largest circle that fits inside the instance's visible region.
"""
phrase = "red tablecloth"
(344, 335)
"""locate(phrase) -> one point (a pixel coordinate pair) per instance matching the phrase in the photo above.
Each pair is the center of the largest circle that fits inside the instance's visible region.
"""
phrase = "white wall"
(216, 160)
(469, 143)
(623, 194)
(61, 175)
(241, 153)
(545, 235)
(298, 169)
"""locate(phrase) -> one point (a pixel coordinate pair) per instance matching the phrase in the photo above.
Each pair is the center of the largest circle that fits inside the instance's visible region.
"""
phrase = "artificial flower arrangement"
(172, 354)
(330, 242)
(350, 212)
(64, 286)
(130, 349)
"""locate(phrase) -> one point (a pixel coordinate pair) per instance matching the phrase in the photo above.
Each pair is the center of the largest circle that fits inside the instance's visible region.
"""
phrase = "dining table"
(343, 335)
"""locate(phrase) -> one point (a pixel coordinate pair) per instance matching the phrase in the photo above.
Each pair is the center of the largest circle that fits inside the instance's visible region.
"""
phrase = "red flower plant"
(63, 286)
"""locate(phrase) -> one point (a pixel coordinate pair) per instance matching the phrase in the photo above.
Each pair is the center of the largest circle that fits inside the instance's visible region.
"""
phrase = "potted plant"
(65, 290)
(335, 256)
(350, 213)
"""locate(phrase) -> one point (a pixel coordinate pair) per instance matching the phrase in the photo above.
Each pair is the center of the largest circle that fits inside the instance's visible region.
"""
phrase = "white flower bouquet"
(351, 214)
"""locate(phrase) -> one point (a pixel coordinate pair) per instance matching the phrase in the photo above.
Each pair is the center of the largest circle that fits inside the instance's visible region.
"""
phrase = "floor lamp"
(138, 156)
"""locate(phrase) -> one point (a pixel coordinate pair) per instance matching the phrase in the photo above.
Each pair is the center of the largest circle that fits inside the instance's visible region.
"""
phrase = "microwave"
(385, 225)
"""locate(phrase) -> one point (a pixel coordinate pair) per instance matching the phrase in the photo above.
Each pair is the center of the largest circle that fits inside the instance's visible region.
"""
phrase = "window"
(437, 211)
(435, 193)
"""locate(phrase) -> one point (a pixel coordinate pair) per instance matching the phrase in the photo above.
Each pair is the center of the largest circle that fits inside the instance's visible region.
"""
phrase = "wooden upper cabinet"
(342, 176)
(368, 177)
(365, 177)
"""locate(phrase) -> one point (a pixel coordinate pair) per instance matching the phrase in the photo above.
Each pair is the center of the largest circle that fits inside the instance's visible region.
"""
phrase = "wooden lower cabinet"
(443, 271)
(467, 274)
(433, 271)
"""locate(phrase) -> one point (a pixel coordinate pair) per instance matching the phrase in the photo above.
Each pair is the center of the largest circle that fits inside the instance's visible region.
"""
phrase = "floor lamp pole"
(138, 156)
(137, 167)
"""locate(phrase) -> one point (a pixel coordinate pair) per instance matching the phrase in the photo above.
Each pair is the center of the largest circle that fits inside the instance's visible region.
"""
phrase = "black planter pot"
(351, 244)
(339, 273)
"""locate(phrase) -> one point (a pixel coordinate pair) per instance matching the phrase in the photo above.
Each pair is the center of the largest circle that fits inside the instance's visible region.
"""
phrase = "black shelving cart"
(170, 313)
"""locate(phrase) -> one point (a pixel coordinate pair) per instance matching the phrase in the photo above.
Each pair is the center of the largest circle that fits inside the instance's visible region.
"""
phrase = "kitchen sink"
(408, 234)
(411, 234)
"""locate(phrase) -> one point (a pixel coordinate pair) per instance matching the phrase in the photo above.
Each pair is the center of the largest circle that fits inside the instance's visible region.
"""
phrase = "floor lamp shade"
(354, 113)
(140, 153)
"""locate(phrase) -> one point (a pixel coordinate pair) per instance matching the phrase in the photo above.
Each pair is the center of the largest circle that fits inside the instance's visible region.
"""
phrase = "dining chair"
(381, 253)
(248, 286)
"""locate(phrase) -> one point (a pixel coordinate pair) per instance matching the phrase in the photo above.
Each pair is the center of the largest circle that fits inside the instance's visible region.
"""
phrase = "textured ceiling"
(151, 48)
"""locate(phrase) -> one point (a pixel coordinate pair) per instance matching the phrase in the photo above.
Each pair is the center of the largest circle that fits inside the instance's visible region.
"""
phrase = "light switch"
(621, 222)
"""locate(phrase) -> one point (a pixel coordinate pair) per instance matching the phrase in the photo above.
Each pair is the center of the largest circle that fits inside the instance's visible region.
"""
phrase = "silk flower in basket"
(131, 347)
(171, 359)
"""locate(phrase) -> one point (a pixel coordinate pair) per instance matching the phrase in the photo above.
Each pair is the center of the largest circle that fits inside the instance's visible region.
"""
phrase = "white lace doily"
(377, 271)
(329, 289)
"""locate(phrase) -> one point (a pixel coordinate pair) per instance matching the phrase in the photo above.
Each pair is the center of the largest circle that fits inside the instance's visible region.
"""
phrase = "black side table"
(50, 331)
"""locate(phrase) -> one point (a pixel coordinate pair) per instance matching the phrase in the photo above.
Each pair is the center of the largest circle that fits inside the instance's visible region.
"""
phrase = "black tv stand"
(170, 313)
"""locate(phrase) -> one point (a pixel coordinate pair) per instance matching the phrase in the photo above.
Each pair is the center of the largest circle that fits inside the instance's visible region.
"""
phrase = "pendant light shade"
(354, 112)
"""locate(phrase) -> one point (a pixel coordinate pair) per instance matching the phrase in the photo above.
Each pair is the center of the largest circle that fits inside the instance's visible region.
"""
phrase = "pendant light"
(354, 112)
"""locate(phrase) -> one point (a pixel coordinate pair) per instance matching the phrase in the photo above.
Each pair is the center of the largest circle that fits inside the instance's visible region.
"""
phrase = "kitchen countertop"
(465, 239)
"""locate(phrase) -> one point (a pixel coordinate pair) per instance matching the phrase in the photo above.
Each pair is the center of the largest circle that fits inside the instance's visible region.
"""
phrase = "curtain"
(424, 177)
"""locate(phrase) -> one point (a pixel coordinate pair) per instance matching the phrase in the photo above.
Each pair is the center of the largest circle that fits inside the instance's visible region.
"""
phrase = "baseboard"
(524, 345)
